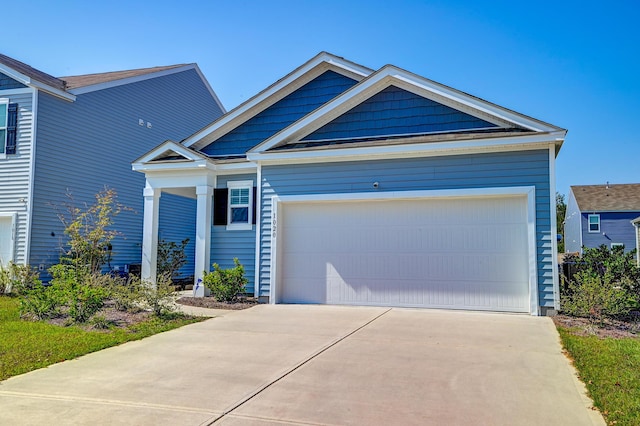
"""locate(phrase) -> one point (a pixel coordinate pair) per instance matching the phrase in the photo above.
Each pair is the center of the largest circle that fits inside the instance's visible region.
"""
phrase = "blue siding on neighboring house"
(225, 245)
(615, 227)
(87, 144)
(281, 114)
(395, 111)
(522, 168)
(177, 222)
(7, 82)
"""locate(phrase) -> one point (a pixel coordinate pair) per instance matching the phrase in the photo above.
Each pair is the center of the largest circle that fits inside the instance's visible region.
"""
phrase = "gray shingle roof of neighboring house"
(619, 197)
(33, 73)
(74, 82)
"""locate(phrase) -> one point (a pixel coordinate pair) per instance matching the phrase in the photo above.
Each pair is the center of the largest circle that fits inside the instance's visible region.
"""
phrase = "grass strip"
(27, 346)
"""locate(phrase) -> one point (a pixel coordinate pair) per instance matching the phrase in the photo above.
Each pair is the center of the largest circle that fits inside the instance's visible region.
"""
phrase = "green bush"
(127, 296)
(226, 284)
(41, 302)
(171, 257)
(83, 293)
(596, 297)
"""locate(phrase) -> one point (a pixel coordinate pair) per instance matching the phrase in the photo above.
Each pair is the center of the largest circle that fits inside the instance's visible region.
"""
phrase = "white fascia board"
(281, 88)
(513, 143)
(189, 165)
(129, 80)
(391, 75)
(26, 80)
(173, 146)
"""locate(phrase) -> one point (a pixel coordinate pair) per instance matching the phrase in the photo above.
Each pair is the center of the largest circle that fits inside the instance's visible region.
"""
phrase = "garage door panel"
(453, 253)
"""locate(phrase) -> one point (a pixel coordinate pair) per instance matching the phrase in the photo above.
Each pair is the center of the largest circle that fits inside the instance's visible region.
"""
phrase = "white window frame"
(617, 245)
(240, 184)
(589, 223)
(4, 103)
(12, 244)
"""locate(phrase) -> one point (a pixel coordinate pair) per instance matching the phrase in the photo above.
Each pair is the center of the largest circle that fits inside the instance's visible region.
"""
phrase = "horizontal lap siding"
(227, 244)
(87, 144)
(615, 227)
(523, 168)
(14, 174)
(177, 222)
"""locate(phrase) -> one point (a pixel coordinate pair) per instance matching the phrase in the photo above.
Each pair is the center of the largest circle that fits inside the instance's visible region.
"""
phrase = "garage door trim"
(529, 191)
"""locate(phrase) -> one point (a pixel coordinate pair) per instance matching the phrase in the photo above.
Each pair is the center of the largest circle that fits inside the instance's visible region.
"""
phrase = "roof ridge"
(83, 80)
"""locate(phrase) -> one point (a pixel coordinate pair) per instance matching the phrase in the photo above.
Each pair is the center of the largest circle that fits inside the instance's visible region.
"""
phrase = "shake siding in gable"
(15, 172)
(281, 114)
(521, 168)
(87, 144)
(395, 111)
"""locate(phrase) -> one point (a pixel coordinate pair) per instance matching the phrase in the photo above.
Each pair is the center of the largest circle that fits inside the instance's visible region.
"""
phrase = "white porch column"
(150, 233)
(204, 195)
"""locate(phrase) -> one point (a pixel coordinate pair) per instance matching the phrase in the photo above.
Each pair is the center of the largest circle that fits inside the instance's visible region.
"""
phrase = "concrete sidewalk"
(316, 365)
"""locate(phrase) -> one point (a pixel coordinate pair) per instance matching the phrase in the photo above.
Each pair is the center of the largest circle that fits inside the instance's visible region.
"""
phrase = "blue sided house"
(79, 134)
(340, 184)
(602, 214)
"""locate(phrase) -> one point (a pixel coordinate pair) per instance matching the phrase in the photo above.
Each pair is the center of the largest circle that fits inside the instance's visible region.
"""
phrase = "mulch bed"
(609, 328)
(212, 303)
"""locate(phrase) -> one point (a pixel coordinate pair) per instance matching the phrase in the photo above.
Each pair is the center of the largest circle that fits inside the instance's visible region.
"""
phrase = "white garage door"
(457, 253)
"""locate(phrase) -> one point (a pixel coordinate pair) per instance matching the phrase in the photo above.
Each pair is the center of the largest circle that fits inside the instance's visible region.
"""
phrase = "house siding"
(7, 82)
(522, 168)
(615, 227)
(87, 144)
(15, 171)
(572, 226)
(395, 111)
(227, 244)
(281, 114)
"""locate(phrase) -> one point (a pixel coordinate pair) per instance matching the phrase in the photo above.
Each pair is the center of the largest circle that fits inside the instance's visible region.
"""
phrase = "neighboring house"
(371, 188)
(601, 214)
(636, 225)
(79, 134)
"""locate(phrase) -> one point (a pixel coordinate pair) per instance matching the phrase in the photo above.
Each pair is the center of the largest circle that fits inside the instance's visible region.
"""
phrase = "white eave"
(411, 148)
(28, 81)
(319, 64)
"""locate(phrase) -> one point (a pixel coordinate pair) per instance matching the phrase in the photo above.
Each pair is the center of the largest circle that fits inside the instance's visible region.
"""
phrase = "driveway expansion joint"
(267, 385)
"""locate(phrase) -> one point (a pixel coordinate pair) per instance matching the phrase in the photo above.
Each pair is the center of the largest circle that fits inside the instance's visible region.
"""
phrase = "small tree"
(561, 212)
(89, 232)
(171, 257)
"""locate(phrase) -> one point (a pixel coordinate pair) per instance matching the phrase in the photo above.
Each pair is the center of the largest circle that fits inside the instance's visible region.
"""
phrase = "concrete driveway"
(318, 365)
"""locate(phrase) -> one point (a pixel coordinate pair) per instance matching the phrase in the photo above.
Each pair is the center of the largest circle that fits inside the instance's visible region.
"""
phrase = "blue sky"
(574, 64)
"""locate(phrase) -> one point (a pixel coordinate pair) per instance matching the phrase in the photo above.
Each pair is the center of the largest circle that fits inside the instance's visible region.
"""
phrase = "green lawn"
(26, 346)
(610, 368)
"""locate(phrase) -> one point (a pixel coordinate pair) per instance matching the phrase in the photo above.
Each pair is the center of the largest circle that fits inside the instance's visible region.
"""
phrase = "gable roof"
(68, 87)
(607, 198)
(32, 73)
(73, 82)
(280, 89)
(388, 76)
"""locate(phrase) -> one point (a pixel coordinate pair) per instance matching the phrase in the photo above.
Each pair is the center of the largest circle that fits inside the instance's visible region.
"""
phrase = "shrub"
(171, 257)
(41, 302)
(127, 296)
(596, 297)
(159, 298)
(226, 284)
(84, 293)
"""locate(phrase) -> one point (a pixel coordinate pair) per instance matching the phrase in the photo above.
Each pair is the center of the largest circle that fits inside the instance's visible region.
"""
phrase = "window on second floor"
(8, 126)
(594, 222)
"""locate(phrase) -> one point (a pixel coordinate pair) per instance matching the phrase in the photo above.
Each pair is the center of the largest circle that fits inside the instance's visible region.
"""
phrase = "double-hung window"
(594, 222)
(240, 205)
(8, 127)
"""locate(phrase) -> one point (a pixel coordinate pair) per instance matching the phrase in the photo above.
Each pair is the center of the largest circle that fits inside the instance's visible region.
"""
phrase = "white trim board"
(26, 80)
(528, 191)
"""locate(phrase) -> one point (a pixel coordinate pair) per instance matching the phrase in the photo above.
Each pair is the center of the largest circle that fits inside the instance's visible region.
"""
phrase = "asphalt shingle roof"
(32, 73)
(76, 81)
(619, 197)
